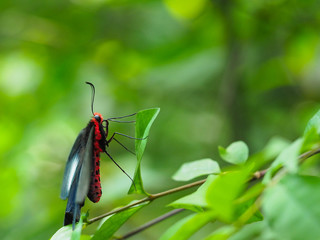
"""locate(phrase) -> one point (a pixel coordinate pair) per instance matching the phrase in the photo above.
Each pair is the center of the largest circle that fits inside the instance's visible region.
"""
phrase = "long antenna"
(93, 94)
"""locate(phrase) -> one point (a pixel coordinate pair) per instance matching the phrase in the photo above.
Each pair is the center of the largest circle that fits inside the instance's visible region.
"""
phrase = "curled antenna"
(93, 94)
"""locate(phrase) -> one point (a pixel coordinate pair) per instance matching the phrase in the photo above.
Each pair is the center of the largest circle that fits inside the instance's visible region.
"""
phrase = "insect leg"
(123, 146)
(120, 168)
(125, 136)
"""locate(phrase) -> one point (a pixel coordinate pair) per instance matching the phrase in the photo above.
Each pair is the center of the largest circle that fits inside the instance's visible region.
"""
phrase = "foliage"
(227, 197)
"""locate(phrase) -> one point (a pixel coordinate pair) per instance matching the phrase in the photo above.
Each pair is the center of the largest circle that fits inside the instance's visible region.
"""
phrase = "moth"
(81, 177)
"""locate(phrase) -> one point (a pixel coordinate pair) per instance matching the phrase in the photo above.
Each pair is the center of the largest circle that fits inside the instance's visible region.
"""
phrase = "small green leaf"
(195, 201)
(144, 120)
(186, 227)
(288, 158)
(272, 149)
(246, 209)
(257, 230)
(291, 207)
(195, 169)
(251, 193)
(224, 190)
(311, 136)
(314, 123)
(248, 212)
(235, 153)
(256, 217)
(311, 140)
(222, 233)
(113, 223)
(63, 233)
(76, 234)
(274, 146)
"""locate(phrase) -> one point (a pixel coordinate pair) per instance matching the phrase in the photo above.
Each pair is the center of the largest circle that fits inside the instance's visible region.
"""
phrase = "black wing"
(86, 170)
(77, 175)
(72, 165)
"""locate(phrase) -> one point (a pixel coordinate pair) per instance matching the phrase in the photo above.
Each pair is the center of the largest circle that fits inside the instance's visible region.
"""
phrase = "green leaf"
(186, 227)
(113, 223)
(195, 169)
(257, 230)
(222, 233)
(235, 153)
(311, 140)
(144, 120)
(195, 201)
(224, 190)
(314, 123)
(248, 212)
(76, 234)
(311, 136)
(291, 207)
(256, 217)
(246, 209)
(251, 193)
(63, 233)
(288, 158)
(274, 147)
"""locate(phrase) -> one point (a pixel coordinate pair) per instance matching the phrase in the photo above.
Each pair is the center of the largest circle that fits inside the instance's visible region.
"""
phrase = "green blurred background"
(219, 70)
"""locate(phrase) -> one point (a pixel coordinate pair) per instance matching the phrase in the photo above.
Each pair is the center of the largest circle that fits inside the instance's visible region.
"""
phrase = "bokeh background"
(219, 70)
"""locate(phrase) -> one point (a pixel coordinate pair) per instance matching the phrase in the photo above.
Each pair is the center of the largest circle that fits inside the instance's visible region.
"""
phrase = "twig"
(177, 189)
(92, 220)
(148, 199)
(152, 222)
(260, 174)
(308, 154)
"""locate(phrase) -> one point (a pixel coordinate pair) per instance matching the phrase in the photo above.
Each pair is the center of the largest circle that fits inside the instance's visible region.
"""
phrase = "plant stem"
(177, 189)
(308, 154)
(151, 223)
(260, 174)
(92, 220)
(148, 199)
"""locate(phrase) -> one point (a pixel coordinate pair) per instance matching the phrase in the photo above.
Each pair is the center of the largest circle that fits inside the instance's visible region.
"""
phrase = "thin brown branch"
(92, 220)
(309, 154)
(260, 174)
(148, 199)
(177, 189)
(151, 223)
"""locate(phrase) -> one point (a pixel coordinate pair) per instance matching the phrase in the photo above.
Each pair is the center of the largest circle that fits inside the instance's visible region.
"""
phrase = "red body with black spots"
(99, 143)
